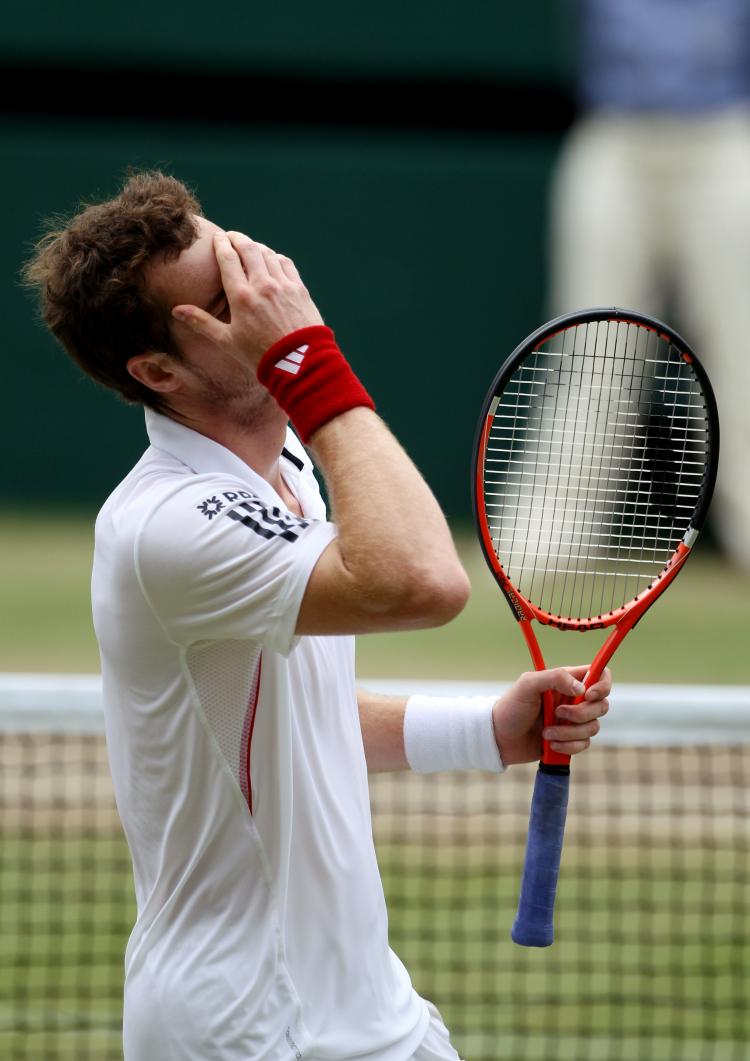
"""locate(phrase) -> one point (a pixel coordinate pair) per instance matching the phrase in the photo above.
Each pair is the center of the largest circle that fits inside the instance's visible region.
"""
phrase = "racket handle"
(533, 924)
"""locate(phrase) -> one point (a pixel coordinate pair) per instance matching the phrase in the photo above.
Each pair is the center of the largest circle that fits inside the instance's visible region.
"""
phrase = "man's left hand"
(517, 715)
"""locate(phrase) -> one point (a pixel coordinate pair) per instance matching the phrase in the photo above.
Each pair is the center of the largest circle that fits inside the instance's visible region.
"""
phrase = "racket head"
(595, 459)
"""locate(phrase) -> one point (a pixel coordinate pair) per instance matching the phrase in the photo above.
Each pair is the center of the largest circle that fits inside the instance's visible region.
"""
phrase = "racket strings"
(594, 465)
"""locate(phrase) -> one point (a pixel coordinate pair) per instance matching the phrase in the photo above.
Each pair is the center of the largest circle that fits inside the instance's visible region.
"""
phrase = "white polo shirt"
(239, 771)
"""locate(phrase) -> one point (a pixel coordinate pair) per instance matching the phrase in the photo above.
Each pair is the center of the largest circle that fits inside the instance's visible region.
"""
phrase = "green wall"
(452, 37)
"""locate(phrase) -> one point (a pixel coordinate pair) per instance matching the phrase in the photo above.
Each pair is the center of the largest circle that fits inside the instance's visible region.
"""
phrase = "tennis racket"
(594, 464)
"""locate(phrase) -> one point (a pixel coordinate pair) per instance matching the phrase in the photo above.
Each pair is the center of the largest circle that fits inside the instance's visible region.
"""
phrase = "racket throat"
(532, 644)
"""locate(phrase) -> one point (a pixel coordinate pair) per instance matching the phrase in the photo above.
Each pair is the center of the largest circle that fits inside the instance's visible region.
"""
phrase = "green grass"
(696, 633)
(45, 573)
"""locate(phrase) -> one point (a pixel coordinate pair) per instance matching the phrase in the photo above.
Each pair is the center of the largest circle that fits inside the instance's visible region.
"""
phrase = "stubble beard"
(240, 400)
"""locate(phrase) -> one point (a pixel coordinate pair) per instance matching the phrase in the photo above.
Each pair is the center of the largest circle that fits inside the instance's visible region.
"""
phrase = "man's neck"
(259, 446)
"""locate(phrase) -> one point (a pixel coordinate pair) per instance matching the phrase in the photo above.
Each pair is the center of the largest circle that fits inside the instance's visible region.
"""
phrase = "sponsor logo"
(268, 522)
(236, 495)
(211, 507)
(292, 362)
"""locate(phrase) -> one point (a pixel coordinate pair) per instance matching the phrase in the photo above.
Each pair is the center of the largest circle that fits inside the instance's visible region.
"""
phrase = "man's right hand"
(266, 297)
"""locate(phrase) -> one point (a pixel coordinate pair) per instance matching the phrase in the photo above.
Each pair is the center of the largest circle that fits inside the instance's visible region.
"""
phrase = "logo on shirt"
(292, 362)
(211, 507)
(268, 522)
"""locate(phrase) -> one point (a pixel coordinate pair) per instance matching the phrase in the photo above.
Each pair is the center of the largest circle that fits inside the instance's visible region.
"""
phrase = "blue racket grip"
(549, 805)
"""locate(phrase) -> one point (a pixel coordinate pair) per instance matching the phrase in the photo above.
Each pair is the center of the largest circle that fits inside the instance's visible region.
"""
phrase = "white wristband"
(451, 733)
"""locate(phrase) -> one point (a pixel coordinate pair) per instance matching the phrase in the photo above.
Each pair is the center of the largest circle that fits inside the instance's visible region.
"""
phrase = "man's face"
(209, 374)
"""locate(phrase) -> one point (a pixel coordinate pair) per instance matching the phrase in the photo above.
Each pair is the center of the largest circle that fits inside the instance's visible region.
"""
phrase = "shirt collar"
(201, 454)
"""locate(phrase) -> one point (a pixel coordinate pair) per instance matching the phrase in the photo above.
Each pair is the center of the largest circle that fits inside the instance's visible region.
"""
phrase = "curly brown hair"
(89, 274)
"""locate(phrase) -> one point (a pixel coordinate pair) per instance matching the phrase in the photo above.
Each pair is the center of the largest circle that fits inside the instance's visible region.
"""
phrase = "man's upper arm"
(216, 561)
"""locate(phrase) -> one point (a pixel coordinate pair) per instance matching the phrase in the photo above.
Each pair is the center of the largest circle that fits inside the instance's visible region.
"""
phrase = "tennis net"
(651, 957)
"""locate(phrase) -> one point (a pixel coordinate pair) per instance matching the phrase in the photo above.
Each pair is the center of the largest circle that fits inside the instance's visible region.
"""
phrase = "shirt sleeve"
(218, 562)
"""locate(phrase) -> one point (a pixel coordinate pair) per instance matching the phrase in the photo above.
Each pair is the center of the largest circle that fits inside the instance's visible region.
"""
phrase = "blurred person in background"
(651, 198)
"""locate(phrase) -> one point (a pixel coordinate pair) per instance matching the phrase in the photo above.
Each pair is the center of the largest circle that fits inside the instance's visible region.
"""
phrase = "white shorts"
(436, 1045)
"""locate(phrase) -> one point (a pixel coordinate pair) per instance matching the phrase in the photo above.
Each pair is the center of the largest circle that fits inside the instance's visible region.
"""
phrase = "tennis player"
(224, 603)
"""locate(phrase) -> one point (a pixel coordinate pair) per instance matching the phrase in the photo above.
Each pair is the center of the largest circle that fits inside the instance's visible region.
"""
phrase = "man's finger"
(199, 321)
(584, 711)
(579, 671)
(563, 734)
(251, 255)
(273, 263)
(289, 268)
(559, 680)
(601, 689)
(572, 748)
(231, 265)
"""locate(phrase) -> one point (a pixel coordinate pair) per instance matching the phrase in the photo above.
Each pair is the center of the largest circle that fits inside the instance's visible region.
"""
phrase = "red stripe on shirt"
(247, 735)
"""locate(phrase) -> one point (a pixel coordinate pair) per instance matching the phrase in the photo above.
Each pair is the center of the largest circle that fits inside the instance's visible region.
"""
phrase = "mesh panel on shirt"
(226, 675)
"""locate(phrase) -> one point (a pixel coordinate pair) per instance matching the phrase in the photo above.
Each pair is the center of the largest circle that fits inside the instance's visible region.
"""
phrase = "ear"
(155, 371)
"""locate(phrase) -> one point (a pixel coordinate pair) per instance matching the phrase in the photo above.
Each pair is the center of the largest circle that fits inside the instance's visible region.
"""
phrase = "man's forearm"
(393, 538)
(382, 721)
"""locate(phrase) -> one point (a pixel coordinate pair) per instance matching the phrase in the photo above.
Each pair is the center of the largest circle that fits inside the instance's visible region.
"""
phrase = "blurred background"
(446, 177)
(408, 161)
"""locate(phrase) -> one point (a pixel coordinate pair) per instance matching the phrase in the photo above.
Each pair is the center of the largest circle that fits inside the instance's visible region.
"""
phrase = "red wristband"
(311, 379)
